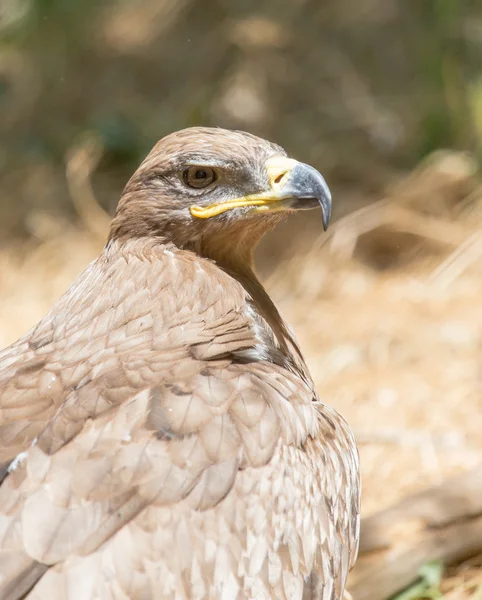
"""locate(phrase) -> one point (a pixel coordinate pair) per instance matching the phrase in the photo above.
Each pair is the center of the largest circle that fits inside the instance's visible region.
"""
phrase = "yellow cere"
(277, 168)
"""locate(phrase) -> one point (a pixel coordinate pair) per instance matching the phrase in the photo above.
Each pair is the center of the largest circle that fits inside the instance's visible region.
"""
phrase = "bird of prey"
(160, 434)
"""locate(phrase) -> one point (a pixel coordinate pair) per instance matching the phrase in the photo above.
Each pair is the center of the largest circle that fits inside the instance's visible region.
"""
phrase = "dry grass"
(387, 309)
(465, 581)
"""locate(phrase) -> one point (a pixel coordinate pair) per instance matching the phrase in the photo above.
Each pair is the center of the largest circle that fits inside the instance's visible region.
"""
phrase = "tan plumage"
(160, 434)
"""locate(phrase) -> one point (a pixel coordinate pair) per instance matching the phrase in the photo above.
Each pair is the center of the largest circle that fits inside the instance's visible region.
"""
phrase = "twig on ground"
(443, 523)
(81, 161)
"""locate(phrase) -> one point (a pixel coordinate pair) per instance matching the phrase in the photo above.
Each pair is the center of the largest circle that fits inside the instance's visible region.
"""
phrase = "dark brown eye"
(199, 177)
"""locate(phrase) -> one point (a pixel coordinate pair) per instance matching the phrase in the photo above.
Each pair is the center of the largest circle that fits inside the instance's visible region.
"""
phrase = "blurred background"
(383, 96)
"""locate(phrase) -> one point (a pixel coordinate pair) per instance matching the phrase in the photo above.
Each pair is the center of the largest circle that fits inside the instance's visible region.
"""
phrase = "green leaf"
(428, 587)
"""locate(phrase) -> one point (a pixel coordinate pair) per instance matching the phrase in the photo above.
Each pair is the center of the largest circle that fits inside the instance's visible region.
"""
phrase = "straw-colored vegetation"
(387, 304)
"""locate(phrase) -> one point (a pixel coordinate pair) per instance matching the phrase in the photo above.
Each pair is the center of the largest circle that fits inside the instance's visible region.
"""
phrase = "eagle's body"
(161, 436)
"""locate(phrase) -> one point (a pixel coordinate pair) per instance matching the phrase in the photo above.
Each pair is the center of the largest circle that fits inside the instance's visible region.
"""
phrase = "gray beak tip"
(306, 189)
(308, 185)
(325, 203)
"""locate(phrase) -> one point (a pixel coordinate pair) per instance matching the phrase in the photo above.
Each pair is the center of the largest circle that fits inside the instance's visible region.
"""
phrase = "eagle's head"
(209, 188)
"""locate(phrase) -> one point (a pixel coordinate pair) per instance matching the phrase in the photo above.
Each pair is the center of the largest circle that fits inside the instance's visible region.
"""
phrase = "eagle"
(160, 434)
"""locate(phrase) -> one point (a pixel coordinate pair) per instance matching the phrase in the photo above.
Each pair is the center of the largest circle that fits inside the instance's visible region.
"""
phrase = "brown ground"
(386, 310)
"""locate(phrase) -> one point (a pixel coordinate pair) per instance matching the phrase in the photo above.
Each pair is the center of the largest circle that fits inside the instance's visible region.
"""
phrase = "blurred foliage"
(360, 88)
(428, 588)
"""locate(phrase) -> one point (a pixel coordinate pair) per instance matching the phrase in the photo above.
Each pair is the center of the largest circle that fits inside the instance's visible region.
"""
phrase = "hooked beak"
(292, 186)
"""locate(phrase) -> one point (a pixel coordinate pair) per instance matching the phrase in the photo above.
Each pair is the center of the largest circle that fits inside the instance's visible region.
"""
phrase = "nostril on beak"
(280, 177)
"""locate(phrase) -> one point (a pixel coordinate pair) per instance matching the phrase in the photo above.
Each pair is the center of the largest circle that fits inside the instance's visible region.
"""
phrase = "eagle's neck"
(234, 255)
(266, 308)
(268, 311)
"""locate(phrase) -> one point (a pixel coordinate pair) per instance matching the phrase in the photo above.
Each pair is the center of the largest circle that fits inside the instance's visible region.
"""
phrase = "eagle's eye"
(199, 177)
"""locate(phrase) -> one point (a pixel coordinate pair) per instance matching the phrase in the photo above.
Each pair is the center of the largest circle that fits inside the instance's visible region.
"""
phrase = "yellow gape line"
(205, 212)
(277, 169)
